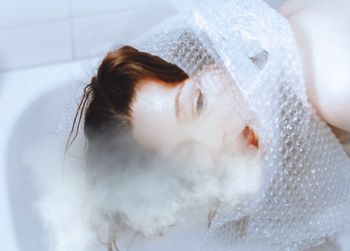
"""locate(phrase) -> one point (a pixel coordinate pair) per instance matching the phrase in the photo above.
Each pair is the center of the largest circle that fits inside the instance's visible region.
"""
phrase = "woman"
(230, 87)
(137, 99)
(156, 96)
(328, 90)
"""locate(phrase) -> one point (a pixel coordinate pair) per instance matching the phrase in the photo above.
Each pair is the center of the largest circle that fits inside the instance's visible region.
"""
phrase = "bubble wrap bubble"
(306, 188)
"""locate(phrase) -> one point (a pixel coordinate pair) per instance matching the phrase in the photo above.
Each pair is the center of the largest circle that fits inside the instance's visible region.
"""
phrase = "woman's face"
(190, 117)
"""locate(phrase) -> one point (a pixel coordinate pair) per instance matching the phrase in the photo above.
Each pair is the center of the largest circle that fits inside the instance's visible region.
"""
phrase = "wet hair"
(106, 103)
(105, 107)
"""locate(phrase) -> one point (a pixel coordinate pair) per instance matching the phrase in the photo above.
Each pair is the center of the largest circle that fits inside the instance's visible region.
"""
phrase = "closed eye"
(199, 102)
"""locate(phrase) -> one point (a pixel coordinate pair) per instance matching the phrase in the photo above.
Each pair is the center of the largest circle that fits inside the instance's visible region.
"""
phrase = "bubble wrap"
(306, 174)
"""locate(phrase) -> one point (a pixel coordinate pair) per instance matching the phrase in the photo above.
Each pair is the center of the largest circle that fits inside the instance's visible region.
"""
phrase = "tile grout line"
(50, 63)
(73, 52)
(71, 27)
(55, 20)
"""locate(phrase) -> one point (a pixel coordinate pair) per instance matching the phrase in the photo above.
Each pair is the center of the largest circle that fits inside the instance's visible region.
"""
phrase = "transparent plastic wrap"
(306, 173)
(304, 196)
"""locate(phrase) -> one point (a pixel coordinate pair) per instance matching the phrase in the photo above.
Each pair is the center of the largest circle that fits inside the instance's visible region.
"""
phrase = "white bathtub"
(30, 103)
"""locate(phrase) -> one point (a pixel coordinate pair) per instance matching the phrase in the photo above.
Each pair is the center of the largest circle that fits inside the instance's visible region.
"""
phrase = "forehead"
(152, 94)
(153, 114)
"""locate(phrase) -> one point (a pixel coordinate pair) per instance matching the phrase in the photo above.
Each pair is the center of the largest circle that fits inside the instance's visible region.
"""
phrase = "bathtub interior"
(32, 128)
(35, 122)
(35, 125)
(31, 102)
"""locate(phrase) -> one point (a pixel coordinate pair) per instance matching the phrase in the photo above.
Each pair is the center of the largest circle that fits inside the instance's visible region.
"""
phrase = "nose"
(250, 137)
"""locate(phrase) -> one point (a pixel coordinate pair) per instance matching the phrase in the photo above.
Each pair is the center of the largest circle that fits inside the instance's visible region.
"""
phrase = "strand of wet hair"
(77, 118)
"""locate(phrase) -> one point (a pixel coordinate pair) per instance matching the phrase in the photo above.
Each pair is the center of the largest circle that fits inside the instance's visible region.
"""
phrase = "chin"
(140, 200)
(149, 201)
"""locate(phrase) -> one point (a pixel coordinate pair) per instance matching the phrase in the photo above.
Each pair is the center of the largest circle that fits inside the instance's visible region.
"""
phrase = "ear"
(249, 137)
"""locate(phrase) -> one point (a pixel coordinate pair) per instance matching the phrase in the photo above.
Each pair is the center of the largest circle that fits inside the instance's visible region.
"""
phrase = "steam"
(82, 208)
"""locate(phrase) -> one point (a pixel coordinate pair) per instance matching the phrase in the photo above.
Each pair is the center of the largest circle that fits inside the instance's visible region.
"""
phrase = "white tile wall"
(45, 31)
(35, 44)
(94, 35)
(23, 12)
(148, 15)
(89, 7)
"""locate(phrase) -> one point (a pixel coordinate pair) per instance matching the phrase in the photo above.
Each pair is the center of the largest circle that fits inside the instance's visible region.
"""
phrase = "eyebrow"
(177, 103)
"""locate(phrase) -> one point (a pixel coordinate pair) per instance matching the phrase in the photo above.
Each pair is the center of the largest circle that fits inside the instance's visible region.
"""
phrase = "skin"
(322, 32)
(170, 119)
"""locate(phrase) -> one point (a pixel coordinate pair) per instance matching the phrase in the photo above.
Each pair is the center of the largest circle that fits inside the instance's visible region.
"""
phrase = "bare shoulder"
(322, 31)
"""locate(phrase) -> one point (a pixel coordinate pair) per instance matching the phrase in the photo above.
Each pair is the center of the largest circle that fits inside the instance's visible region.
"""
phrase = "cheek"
(210, 132)
(219, 129)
